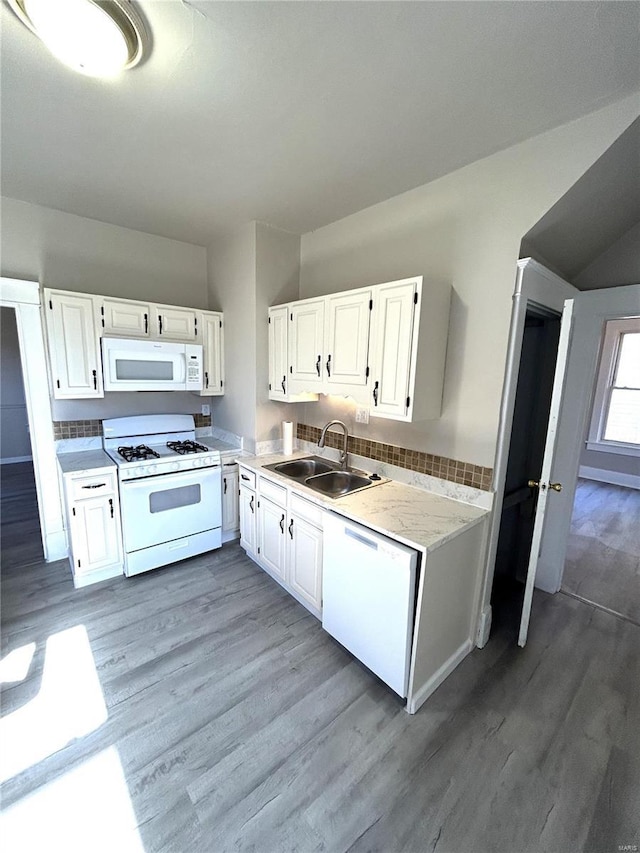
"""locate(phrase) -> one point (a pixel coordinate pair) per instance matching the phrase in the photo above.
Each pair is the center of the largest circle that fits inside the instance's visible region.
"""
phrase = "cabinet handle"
(95, 486)
(225, 486)
(251, 504)
(328, 365)
(159, 324)
(291, 529)
(95, 380)
(244, 477)
(111, 506)
(318, 364)
(146, 324)
(375, 392)
(206, 378)
(282, 524)
(284, 387)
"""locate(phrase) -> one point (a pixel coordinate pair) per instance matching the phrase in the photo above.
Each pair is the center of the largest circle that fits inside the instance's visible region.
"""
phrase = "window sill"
(610, 447)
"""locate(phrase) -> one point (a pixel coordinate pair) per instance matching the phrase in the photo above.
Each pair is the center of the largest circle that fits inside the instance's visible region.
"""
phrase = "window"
(615, 419)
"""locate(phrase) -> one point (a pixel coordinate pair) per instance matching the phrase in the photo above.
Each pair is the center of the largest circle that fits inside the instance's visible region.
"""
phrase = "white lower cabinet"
(289, 539)
(248, 519)
(230, 502)
(93, 524)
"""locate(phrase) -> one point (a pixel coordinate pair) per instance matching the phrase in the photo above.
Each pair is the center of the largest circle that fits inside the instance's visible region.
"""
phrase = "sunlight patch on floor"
(69, 705)
(87, 809)
(14, 667)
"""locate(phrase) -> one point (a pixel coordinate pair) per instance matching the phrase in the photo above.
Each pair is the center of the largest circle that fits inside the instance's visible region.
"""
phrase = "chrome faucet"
(343, 452)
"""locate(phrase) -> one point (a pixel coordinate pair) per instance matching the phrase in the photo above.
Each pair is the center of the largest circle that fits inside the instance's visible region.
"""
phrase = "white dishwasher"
(368, 597)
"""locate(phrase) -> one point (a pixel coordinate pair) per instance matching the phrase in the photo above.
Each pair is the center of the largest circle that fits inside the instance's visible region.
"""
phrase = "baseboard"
(11, 460)
(417, 699)
(614, 478)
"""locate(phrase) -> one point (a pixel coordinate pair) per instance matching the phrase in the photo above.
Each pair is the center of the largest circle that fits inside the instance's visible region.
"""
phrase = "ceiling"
(300, 113)
(602, 206)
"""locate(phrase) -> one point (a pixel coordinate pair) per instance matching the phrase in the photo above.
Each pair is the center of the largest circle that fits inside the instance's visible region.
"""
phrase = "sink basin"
(337, 483)
(299, 469)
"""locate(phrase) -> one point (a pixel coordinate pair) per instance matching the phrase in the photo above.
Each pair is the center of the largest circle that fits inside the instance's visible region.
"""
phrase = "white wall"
(232, 276)
(619, 265)
(466, 229)
(15, 443)
(73, 253)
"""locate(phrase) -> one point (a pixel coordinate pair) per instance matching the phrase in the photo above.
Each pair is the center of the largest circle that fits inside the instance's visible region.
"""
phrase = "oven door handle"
(191, 476)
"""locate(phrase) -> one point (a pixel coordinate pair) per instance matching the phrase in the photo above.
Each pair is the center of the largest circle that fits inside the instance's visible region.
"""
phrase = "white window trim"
(612, 331)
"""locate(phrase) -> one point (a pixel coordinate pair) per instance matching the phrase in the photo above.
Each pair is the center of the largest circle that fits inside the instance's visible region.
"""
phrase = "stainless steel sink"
(338, 483)
(300, 469)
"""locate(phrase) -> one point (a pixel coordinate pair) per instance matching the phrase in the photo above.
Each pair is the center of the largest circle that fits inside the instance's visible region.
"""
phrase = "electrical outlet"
(362, 416)
(205, 409)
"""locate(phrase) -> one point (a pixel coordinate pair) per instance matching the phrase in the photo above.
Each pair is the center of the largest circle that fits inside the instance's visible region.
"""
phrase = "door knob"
(533, 484)
(557, 487)
(536, 484)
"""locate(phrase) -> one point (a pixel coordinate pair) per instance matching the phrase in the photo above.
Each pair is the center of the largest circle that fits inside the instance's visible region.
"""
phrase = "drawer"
(93, 486)
(305, 509)
(277, 493)
(247, 478)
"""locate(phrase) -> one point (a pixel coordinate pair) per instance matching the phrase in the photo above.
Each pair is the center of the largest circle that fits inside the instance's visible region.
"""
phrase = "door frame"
(24, 298)
(536, 287)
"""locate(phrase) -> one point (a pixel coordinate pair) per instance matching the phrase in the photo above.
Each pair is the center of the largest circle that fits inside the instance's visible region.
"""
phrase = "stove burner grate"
(130, 454)
(183, 447)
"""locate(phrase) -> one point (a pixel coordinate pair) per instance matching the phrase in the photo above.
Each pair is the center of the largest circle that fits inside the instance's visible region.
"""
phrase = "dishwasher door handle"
(360, 538)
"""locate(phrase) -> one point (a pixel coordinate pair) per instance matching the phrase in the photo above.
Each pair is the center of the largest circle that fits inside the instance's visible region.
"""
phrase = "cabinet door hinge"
(73, 510)
(269, 320)
(269, 386)
(258, 549)
(221, 383)
(291, 370)
(415, 298)
(366, 373)
(78, 563)
(195, 327)
(371, 305)
(258, 504)
(408, 401)
(51, 305)
(58, 382)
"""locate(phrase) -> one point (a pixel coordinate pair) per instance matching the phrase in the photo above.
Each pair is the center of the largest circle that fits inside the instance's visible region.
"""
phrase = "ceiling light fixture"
(99, 38)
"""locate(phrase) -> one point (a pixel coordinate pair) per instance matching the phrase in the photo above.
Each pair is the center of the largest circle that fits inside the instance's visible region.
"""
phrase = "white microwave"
(131, 365)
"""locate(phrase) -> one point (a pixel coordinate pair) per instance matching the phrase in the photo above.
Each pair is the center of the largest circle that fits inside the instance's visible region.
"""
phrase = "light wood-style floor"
(231, 721)
(603, 554)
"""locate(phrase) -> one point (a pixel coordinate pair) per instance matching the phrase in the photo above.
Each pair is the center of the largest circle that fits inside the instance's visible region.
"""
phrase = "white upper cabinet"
(176, 324)
(211, 336)
(409, 328)
(74, 345)
(306, 345)
(124, 318)
(384, 346)
(279, 366)
(346, 345)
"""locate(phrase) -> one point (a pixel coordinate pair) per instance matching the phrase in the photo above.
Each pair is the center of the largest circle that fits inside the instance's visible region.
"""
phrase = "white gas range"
(170, 489)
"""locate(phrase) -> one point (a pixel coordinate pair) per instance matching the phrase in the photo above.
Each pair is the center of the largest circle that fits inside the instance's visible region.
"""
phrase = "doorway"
(540, 338)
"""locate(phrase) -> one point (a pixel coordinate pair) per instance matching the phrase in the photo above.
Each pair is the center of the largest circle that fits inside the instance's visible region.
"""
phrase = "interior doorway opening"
(532, 404)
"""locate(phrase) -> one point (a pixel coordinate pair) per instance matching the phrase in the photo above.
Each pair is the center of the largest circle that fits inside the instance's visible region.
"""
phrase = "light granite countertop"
(413, 516)
(84, 461)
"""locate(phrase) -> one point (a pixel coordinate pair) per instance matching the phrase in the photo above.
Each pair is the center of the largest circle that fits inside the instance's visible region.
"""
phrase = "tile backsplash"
(89, 429)
(464, 473)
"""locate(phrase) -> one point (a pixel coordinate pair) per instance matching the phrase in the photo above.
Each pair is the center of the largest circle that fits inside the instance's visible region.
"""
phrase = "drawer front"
(274, 491)
(247, 478)
(305, 509)
(93, 486)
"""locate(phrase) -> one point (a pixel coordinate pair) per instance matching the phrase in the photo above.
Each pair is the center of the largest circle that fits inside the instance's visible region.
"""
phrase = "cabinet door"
(74, 347)
(125, 318)
(272, 520)
(278, 353)
(306, 345)
(248, 516)
(210, 330)
(176, 324)
(347, 339)
(305, 560)
(230, 507)
(390, 361)
(95, 534)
